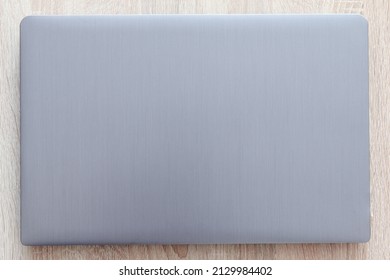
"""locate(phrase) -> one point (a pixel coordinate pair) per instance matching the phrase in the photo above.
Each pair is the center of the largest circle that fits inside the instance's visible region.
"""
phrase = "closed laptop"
(194, 129)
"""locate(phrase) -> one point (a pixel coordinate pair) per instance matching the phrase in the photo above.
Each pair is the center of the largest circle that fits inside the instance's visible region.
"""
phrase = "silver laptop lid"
(194, 129)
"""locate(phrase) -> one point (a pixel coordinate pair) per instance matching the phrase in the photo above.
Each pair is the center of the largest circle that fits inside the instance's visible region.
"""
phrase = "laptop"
(191, 129)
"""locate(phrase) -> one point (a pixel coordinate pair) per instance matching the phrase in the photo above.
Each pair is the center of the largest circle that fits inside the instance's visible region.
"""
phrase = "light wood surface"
(378, 15)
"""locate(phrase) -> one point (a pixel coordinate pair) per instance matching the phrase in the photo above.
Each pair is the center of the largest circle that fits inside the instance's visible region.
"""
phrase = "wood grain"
(378, 15)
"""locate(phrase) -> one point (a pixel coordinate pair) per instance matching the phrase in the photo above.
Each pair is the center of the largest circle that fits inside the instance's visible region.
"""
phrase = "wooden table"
(377, 13)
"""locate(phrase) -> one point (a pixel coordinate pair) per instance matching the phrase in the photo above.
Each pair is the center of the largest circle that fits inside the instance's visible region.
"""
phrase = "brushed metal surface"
(194, 129)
